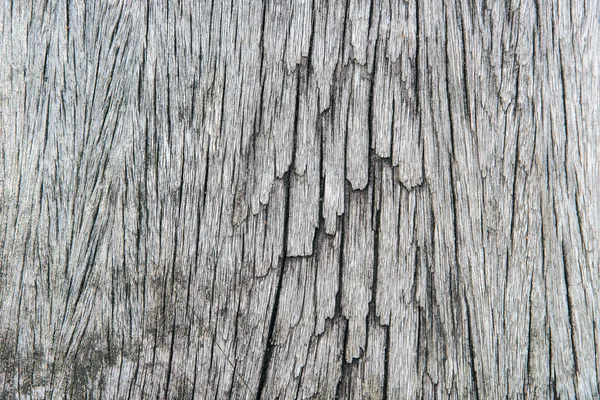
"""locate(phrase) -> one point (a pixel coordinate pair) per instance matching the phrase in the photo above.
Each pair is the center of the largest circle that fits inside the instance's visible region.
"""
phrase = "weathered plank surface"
(308, 199)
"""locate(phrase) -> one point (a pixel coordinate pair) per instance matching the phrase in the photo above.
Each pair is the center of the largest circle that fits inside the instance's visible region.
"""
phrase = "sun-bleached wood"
(299, 199)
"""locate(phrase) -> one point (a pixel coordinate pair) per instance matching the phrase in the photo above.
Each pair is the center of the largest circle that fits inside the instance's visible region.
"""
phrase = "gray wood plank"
(299, 199)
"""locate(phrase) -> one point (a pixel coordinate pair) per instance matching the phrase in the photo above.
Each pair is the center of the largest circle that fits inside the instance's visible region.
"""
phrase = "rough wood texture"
(309, 199)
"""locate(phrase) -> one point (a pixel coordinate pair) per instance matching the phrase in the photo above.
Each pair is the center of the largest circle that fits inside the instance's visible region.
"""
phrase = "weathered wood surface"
(309, 199)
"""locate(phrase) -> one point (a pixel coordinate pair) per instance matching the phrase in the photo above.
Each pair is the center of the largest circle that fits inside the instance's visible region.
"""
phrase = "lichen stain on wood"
(263, 199)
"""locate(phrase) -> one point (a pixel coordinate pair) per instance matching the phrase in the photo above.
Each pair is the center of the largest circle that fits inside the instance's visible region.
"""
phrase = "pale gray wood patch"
(299, 199)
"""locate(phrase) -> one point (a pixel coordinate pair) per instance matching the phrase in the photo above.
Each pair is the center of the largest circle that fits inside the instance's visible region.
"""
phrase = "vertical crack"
(171, 352)
(386, 365)
(346, 370)
(471, 351)
(570, 308)
(453, 279)
(268, 353)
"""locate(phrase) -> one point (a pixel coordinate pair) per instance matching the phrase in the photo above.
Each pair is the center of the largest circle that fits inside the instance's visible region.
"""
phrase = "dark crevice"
(417, 89)
(584, 246)
(345, 26)
(212, 352)
(392, 135)
(371, 88)
(268, 353)
(543, 265)
(195, 380)
(262, 46)
(134, 381)
(596, 353)
(454, 280)
(234, 364)
(386, 365)
(471, 351)
(566, 118)
(205, 181)
(466, 97)
(115, 28)
(551, 372)
(432, 319)
(512, 223)
(171, 352)
(342, 256)
(309, 68)
(570, 309)
(179, 219)
(94, 241)
(376, 213)
(342, 388)
(528, 371)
